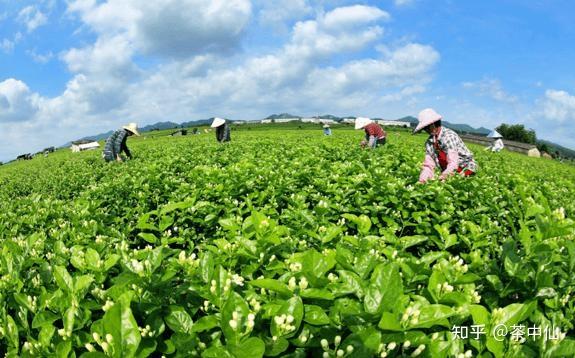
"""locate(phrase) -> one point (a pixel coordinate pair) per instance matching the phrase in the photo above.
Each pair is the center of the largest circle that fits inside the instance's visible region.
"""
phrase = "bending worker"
(497, 144)
(222, 130)
(444, 149)
(116, 143)
(374, 134)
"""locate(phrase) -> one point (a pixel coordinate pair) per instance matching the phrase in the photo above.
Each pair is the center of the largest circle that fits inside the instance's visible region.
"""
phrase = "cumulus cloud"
(491, 88)
(32, 18)
(558, 106)
(276, 13)
(169, 28)
(17, 103)
(343, 29)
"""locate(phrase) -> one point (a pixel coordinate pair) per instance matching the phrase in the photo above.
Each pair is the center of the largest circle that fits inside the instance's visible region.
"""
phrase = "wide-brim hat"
(218, 122)
(132, 127)
(361, 122)
(425, 118)
(326, 125)
(494, 134)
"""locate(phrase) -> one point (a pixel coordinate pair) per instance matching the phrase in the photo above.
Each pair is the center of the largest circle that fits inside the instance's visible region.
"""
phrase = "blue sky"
(79, 67)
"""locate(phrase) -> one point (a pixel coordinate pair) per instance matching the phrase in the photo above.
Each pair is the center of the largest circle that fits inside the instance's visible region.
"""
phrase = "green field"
(284, 243)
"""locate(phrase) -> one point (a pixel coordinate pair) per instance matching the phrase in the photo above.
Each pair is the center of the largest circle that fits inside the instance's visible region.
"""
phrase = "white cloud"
(403, 2)
(40, 58)
(491, 88)
(558, 106)
(17, 103)
(169, 28)
(276, 13)
(345, 29)
(32, 18)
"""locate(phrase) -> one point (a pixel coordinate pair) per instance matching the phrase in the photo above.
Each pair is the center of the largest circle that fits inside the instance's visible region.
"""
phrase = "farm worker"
(116, 143)
(326, 129)
(444, 148)
(222, 130)
(497, 144)
(374, 134)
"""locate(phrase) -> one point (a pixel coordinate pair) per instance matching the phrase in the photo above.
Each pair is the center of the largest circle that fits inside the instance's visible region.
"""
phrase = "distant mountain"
(466, 128)
(556, 148)
(282, 115)
(159, 126)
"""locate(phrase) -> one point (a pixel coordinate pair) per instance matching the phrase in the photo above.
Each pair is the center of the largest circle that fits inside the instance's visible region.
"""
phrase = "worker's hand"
(363, 143)
(119, 159)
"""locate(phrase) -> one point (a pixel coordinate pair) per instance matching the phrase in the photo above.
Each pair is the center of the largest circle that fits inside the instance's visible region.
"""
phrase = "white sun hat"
(218, 122)
(132, 127)
(361, 122)
(326, 125)
(426, 117)
(494, 134)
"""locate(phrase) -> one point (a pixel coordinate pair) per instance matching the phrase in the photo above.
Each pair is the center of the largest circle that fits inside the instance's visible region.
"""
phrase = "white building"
(79, 147)
(348, 120)
(265, 121)
(286, 120)
(384, 122)
(311, 120)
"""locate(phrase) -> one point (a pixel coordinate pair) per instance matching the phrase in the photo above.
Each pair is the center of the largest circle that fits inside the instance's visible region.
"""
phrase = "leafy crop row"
(286, 243)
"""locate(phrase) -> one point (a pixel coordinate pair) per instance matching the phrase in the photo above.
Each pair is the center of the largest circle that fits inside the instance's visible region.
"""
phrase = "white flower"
(292, 283)
(391, 346)
(233, 323)
(324, 343)
(303, 283)
(337, 340)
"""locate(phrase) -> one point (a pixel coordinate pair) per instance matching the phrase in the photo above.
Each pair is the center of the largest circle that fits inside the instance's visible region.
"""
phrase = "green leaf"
(235, 309)
(44, 318)
(82, 283)
(179, 320)
(409, 241)
(390, 322)
(317, 264)
(120, 323)
(250, 348)
(315, 315)
(92, 259)
(317, 294)
(272, 285)
(146, 348)
(12, 332)
(386, 286)
(63, 279)
(331, 233)
(205, 324)
(151, 238)
(63, 349)
(277, 347)
(433, 315)
(514, 313)
(207, 266)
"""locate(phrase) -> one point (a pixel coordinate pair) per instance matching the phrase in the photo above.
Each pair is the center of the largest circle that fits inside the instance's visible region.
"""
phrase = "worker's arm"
(452, 163)
(428, 167)
(124, 147)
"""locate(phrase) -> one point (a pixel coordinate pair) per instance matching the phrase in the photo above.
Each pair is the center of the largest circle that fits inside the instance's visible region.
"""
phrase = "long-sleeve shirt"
(373, 133)
(116, 144)
(497, 145)
(458, 155)
(223, 133)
